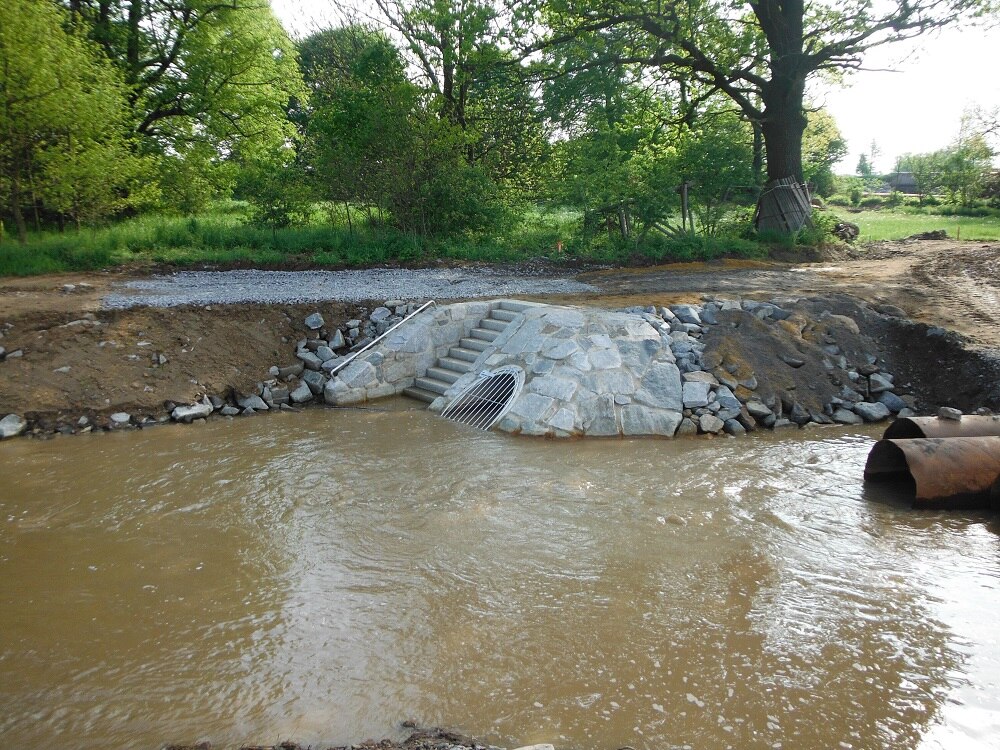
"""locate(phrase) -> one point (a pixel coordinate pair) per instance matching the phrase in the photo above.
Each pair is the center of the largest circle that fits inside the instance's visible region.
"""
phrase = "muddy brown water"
(321, 577)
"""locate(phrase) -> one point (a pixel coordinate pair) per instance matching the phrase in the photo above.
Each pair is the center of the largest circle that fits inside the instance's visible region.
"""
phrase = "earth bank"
(66, 357)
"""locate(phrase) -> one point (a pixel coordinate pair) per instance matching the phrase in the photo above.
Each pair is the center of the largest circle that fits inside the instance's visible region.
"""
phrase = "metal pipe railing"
(374, 341)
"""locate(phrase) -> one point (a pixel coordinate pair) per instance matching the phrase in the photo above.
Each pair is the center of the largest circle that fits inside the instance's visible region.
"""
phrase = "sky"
(909, 99)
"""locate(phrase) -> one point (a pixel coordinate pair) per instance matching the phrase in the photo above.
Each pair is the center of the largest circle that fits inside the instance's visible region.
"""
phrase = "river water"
(321, 577)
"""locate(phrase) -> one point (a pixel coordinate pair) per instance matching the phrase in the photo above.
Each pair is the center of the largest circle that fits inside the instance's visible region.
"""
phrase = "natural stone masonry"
(406, 354)
(587, 372)
(726, 366)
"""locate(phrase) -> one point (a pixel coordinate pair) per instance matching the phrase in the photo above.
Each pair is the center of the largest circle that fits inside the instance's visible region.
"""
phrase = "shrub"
(737, 224)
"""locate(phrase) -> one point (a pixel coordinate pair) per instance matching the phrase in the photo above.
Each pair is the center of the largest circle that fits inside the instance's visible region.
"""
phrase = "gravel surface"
(291, 287)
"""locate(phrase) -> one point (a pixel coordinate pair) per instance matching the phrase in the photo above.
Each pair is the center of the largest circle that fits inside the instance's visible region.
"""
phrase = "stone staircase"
(460, 359)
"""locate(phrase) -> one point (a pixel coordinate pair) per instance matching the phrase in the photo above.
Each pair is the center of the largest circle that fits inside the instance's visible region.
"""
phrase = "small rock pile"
(747, 364)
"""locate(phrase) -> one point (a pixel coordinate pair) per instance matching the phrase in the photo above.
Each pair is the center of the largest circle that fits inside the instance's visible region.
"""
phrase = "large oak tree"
(759, 54)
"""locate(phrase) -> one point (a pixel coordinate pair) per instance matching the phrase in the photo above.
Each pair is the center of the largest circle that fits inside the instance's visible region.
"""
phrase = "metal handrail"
(374, 341)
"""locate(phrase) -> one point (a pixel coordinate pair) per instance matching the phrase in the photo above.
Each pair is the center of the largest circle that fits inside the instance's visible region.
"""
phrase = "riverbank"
(926, 306)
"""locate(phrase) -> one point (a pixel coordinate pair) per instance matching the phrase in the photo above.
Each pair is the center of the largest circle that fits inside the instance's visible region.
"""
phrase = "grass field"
(895, 225)
(222, 237)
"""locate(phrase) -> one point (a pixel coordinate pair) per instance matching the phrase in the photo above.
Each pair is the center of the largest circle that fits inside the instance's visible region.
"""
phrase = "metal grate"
(487, 399)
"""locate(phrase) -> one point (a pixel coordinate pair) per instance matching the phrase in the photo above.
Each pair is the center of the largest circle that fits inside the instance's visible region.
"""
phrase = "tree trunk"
(757, 166)
(132, 44)
(784, 203)
(15, 208)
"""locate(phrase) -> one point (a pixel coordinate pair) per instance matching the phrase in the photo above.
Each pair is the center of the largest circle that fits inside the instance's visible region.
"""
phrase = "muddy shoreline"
(931, 306)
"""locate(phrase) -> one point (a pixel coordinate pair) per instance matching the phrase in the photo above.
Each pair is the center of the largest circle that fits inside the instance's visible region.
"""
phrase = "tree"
(62, 119)
(759, 54)
(962, 169)
(927, 171)
(459, 49)
(374, 140)
(864, 167)
(966, 166)
(822, 147)
(198, 72)
(358, 119)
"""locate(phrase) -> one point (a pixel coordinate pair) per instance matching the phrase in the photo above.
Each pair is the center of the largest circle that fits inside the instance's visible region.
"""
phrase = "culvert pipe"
(970, 425)
(948, 472)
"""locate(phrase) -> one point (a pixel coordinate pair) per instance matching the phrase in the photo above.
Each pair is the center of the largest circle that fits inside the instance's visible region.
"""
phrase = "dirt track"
(955, 285)
(211, 348)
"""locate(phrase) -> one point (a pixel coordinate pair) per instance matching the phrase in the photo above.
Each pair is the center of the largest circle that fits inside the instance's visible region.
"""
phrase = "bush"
(277, 192)
(737, 224)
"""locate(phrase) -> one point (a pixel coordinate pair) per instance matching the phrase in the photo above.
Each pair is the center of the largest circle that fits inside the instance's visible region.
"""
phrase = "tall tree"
(460, 51)
(62, 118)
(209, 71)
(760, 54)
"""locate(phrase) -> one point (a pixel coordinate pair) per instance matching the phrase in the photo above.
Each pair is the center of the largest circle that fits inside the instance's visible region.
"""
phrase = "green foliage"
(822, 147)
(864, 167)
(375, 142)
(276, 189)
(737, 224)
(189, 184)
(961, 172)
(62, 119)
(198, 71)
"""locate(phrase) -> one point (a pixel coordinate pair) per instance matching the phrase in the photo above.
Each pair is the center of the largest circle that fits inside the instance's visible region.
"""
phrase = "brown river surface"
(321, 577)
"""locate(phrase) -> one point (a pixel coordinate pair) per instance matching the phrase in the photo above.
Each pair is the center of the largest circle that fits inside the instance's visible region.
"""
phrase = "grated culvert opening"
(485, 401)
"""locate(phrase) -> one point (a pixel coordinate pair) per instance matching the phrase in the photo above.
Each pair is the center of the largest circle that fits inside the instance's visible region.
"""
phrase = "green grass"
(895, 225)
(223, 238)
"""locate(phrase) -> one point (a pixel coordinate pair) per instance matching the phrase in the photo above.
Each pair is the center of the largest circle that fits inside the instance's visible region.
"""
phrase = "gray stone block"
(558, 388)
(302, 394)
(695, 394)
(661, 387)
(871, 412)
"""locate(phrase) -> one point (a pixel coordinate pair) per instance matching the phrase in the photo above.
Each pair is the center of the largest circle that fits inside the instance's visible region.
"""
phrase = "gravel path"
(290, 287)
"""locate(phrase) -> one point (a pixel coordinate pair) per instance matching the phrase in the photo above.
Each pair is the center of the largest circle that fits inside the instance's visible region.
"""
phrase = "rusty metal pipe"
(970, 425)
(954, 471)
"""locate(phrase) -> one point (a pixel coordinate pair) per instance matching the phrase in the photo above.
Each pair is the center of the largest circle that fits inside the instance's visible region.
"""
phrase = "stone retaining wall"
(393, 364)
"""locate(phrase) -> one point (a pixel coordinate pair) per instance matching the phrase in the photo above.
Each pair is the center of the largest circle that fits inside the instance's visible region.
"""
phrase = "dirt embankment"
(81, 359)
(77, 359)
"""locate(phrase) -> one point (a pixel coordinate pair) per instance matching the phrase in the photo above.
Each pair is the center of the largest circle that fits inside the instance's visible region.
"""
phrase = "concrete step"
(493, 325)
(483, 334)
(477, 345)
(420, 394)
(501, 314)
(466, 355)
(461, 366)
(439, 373)
(515, 305)
(432, 385)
